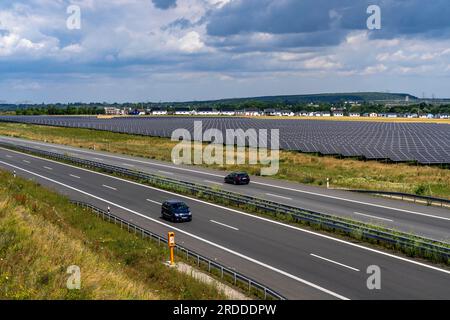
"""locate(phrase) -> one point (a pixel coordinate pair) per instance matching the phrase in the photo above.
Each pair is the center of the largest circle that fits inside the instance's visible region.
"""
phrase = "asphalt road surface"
(430, 222)
(298, 263)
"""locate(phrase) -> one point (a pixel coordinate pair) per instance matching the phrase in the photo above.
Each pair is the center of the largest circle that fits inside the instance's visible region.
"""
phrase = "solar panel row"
(400, 142)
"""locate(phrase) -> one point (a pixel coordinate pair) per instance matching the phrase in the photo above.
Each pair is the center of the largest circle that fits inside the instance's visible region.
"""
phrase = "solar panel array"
(425, 143)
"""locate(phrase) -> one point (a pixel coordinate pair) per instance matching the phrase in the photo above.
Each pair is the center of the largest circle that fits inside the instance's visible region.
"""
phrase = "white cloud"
(321, 63)
(191, 42)
(374, 69)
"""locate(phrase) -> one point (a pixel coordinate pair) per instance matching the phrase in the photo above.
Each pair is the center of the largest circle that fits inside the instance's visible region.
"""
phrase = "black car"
(237, 178)
(175, 211)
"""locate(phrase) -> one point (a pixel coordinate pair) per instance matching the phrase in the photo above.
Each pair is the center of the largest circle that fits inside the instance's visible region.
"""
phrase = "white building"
(183, 112)
(227, 112)
(111, 111)
(287, 113)
(207, 112)
(159, 112)
(252, 112)
(354, 114)
(338, 114)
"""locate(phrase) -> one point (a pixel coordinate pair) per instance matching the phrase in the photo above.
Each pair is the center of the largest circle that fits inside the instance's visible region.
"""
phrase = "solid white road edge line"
(255, 182)
(370, 216)
(213, 182)
(128, 165)
(338, 263)
(166, 172)
(223, 224)
(277, 196)
(186, 233)
(249, 215)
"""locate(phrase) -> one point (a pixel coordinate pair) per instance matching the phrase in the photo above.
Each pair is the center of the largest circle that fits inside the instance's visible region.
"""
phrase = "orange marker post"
(171, 243)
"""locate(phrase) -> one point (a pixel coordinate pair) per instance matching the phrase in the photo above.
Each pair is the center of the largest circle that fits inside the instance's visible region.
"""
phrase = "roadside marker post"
(171, 243)
(328, 183)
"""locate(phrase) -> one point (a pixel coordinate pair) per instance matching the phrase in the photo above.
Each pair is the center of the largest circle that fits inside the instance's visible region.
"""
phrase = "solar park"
(423, 143)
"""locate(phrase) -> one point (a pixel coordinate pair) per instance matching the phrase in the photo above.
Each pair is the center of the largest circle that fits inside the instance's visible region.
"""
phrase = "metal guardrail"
(405, 196)
(379, 234)
(234, 277)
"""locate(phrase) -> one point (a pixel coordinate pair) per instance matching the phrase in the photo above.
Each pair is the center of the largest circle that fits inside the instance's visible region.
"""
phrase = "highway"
(296, 262)
(431, 222)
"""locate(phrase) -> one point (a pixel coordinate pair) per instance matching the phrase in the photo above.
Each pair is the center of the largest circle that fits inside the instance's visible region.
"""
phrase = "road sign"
(171, 243)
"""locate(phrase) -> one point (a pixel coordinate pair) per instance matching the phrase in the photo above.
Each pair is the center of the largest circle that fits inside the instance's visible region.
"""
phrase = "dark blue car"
(237, 178)
(176, 211)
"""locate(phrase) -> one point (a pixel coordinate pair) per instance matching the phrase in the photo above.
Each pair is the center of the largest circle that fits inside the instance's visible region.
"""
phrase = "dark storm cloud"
(329, 18)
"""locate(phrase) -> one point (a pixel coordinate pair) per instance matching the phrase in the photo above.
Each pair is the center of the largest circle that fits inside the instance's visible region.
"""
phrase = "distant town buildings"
(270, 112)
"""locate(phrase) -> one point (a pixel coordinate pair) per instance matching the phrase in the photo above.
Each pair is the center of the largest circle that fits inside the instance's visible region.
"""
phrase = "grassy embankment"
(294, 166)
(42, 234)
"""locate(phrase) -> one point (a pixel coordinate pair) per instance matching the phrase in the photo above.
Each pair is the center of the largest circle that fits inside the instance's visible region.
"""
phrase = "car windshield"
(180, 206)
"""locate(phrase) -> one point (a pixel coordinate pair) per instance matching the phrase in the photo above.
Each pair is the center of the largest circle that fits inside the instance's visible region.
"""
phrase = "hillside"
(317, 98)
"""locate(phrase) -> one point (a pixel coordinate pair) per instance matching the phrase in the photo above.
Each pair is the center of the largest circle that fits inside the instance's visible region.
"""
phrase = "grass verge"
(294, 166)
(42, 234)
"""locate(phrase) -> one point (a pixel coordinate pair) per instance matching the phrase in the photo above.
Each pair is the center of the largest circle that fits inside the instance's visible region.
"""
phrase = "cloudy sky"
(175, 50)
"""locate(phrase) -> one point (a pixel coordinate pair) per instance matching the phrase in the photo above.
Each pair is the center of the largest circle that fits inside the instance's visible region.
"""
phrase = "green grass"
(294, 166)
(42, 233)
